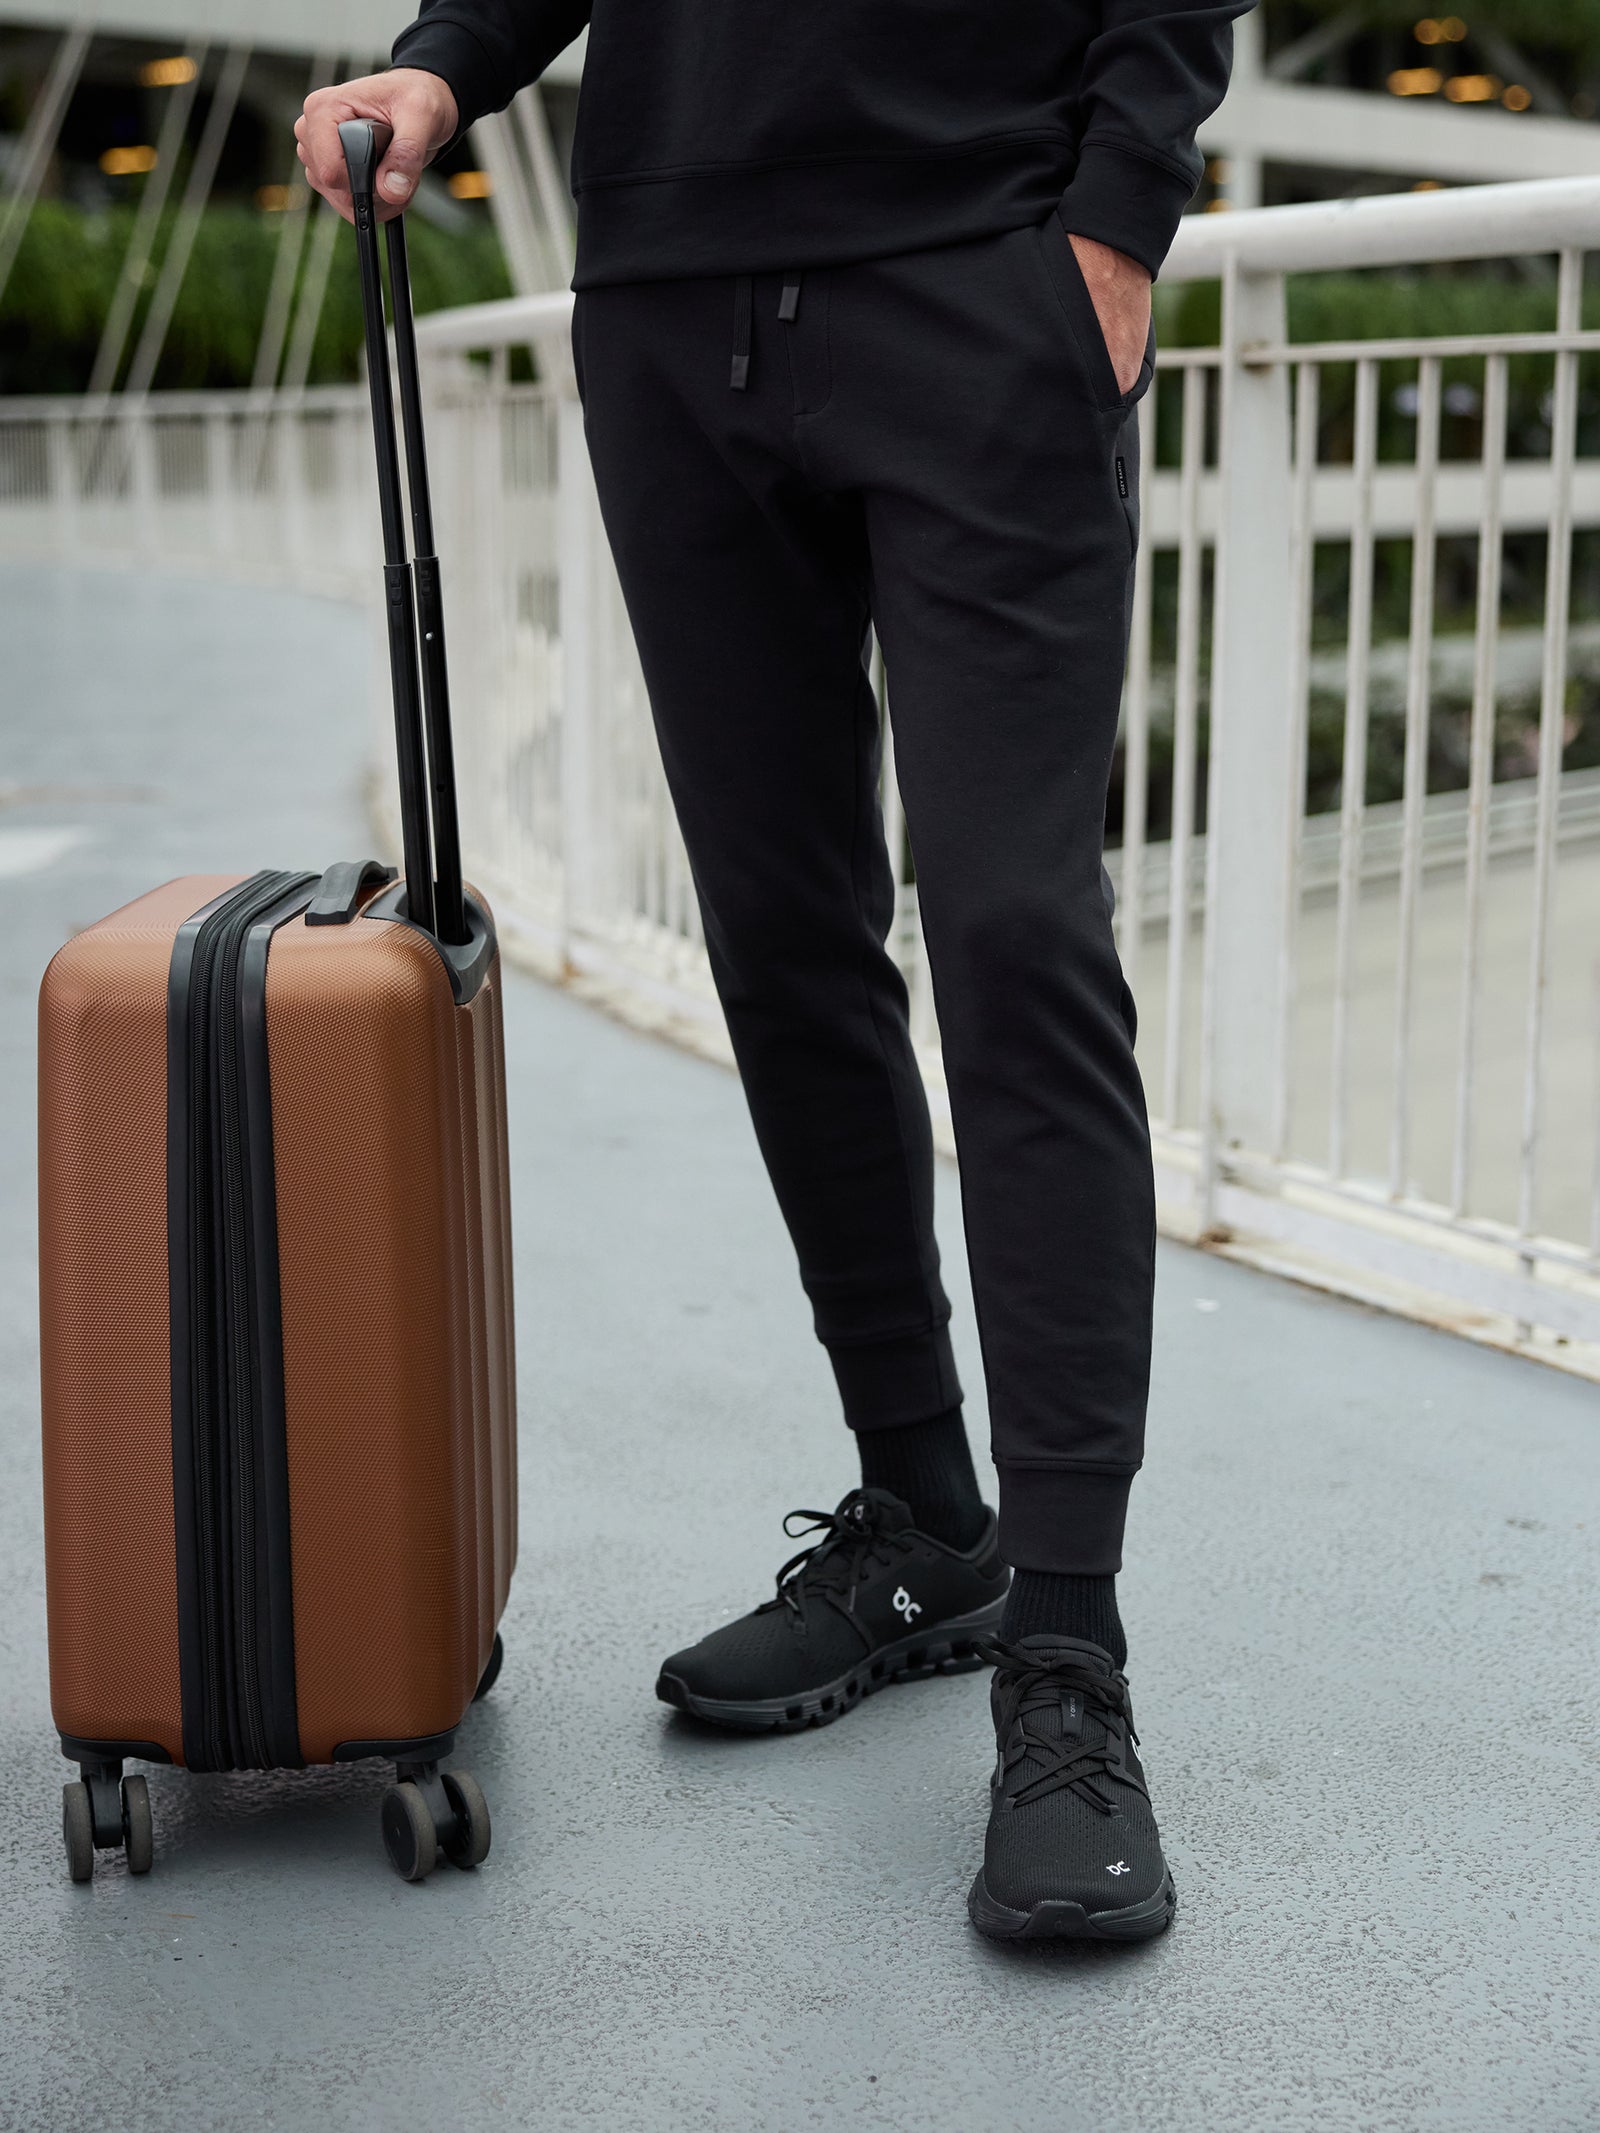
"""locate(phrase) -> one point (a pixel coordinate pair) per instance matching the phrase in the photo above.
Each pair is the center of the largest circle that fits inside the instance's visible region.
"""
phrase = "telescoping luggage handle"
(430, 832)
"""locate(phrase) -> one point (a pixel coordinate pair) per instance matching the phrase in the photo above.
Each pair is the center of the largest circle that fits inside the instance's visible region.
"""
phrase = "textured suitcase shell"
(389, 1136)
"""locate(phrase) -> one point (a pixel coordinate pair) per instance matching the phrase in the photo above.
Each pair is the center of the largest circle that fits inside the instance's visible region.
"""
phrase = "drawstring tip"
(743, 305)
(789, 303)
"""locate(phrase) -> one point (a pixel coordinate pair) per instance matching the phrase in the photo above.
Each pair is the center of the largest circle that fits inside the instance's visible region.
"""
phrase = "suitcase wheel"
(77, 1830)
(429, 1811)
(138, 1834)
(408, 1833)
(104, 1811)
(468, 1845)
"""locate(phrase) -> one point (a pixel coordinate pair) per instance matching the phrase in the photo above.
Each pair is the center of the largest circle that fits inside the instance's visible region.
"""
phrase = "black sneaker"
(873, 1601)
(1072, 1852)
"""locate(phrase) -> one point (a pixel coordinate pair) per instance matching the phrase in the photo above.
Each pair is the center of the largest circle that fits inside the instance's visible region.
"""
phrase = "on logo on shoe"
(904, 1604)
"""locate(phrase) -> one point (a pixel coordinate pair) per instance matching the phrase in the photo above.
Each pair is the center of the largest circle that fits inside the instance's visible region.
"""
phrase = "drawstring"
(743, 301)
(743, 308)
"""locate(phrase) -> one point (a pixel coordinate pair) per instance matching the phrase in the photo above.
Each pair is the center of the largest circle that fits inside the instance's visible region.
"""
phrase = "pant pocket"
(1071, 291)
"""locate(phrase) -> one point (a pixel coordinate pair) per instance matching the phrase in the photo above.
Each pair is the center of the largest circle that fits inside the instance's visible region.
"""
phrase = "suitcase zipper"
(226, 1721)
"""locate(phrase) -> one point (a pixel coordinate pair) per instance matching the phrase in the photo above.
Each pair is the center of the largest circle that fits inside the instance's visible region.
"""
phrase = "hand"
(1120, 288)
(419, 106)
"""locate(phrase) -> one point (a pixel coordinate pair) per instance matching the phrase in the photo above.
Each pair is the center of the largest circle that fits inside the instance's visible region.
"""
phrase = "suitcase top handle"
(430, 831)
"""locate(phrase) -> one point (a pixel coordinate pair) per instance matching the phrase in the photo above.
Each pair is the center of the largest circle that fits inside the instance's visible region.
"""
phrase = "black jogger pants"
(933, 445)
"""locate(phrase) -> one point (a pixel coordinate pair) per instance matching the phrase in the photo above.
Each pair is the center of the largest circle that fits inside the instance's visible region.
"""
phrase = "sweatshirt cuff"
(461, 63)
(1123, 199)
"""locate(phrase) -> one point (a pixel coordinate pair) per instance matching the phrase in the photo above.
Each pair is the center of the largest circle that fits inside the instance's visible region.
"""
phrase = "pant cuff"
(886, 1384)
(1063, 1519)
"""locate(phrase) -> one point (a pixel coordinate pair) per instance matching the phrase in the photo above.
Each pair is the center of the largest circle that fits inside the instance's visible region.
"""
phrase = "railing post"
(62, 476)
(144, 475)
(1251, 787)
(296, 531)
(219, 486)
(577, 519)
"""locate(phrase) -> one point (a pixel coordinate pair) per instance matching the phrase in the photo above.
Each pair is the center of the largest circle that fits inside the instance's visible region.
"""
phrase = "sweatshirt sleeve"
(486, 50)
(1152, 76)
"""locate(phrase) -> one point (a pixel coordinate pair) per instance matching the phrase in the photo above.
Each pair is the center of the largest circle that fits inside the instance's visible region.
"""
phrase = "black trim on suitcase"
(229, 1460)
(193, 1639)
(466, 964)
(78, 1750)
(427, 1748)
(274, 1568)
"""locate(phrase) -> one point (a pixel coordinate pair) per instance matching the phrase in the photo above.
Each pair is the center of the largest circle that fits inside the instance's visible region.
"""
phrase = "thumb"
(402, 167)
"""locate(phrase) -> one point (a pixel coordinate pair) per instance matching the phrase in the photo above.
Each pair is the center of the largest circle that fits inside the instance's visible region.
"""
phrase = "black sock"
(928, 1465)
(1042, 1603)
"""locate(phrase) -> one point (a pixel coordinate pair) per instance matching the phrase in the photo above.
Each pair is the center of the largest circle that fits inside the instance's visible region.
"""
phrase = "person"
(862, 321)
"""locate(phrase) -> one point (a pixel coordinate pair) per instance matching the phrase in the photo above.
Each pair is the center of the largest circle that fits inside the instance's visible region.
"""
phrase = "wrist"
(451, 55)
(1108, 263)
(444, 112)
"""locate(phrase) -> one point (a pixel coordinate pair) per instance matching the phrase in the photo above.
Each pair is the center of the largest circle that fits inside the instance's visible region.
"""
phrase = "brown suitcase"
(275, 1273)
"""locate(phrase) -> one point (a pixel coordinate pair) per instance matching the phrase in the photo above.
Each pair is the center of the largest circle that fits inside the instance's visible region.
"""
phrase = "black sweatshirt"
(741, 136)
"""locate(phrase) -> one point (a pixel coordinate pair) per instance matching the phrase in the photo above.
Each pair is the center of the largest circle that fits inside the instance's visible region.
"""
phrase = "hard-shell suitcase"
(275, 1273)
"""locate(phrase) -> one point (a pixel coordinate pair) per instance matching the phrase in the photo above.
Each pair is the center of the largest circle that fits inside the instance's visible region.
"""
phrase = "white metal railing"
(270, 486)
(1371, 1034)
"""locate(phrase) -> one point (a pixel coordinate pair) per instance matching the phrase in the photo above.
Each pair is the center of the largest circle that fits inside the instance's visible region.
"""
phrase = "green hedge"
(1403, 304)
(1381, 303)
(66, 270)
(61, 286)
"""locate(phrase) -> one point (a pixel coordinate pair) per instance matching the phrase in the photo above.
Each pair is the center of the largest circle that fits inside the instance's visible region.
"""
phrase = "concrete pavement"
(1361, 1598)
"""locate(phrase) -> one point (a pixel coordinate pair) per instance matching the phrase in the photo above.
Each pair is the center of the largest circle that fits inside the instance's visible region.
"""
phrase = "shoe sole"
(946, 1648)
(1053, 1919)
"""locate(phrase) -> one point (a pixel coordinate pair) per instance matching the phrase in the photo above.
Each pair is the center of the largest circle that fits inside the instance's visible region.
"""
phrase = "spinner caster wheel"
(77, 1830)
(138, 1832)
(408, 1832)
(469, 1846)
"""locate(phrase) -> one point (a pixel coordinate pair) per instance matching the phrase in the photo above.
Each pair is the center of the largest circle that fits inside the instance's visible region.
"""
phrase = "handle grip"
(365, 143)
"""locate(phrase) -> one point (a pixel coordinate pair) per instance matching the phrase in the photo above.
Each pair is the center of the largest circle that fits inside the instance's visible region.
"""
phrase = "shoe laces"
(1030, 1684)
(852, 1536)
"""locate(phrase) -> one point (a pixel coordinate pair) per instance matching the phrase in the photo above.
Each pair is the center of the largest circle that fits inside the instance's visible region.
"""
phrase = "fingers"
(316, 134)
(422, 112)
(398, 173)
(417, 106)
